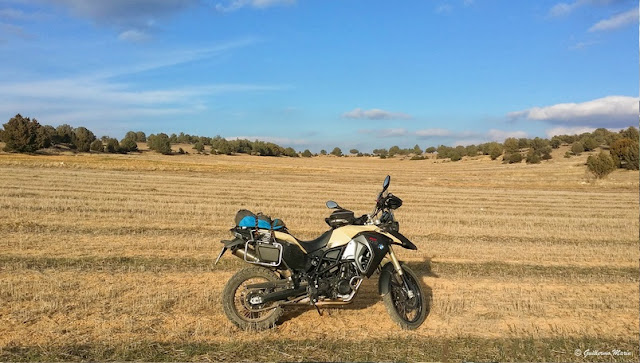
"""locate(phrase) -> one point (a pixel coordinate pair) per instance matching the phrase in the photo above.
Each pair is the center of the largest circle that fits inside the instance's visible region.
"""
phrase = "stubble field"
(110, 257)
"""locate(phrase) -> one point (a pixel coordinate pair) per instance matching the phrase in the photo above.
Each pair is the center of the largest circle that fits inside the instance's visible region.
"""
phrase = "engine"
(338, 282)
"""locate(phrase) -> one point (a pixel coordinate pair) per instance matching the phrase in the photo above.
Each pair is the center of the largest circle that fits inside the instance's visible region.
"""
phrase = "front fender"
(385, 276)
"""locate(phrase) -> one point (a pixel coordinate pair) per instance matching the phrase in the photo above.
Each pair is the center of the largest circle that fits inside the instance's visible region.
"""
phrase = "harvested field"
(110, 257)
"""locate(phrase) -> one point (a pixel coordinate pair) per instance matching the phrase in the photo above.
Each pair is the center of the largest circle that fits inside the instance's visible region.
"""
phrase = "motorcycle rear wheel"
(235, 300)
(408, 312)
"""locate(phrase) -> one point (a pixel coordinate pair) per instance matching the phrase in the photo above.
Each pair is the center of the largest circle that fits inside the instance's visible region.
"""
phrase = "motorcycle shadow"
(368, 294)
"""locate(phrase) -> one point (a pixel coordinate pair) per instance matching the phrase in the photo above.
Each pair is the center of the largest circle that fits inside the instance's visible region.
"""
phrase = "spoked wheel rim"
(252, 312)
(409, 308)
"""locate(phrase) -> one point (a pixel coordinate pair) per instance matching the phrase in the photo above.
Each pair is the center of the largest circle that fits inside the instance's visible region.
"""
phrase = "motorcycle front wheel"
(236, 299)
(407, 308)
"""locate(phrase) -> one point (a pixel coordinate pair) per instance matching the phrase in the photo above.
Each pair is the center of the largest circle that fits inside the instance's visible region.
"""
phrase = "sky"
(319, 74)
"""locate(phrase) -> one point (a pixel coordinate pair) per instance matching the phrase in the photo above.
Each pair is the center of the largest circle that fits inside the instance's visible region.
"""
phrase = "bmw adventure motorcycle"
(325, 271)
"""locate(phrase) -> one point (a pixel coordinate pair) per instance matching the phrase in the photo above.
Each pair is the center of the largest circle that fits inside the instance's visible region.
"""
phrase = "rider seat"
(317, 243)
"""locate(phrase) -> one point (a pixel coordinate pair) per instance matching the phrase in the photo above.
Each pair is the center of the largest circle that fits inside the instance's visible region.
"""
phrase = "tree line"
(22, 134)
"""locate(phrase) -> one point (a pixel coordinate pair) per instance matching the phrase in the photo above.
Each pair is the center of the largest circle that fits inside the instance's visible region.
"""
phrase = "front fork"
(398, 268)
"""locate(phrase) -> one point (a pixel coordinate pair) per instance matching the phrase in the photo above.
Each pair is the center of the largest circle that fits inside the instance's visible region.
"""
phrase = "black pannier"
(340, 217)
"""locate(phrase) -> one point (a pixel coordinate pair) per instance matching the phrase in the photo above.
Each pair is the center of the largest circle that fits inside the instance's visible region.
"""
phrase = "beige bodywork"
(340, 236)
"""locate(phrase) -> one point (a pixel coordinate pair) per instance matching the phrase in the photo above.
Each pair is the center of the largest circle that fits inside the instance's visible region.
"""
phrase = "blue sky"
(319, 74)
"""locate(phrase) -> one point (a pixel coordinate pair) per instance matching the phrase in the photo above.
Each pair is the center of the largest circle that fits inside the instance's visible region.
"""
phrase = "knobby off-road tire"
(396, 297)
(234, 300)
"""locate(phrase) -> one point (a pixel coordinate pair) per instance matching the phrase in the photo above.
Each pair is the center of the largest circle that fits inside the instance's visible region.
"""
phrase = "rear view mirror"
(386, 182)
(331, 204)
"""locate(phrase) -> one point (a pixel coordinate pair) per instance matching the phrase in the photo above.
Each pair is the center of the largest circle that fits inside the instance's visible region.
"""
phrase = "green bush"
(336, 151)
(533, 158)
(495, 150)
(589, 143)
(128, 144)
(624, 153)
(306, 153)
(113, 146)
(600, 165)
(83, 139)
(96, 145)
(353, 151)
(21, 134)
(417, 157)
(291, 152)
(577, 148)
(160, 143)
(567, 155)
(199, 147)
(513, 158)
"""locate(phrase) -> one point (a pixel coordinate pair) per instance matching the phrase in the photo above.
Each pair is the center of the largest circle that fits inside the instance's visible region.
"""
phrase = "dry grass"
(110, 257)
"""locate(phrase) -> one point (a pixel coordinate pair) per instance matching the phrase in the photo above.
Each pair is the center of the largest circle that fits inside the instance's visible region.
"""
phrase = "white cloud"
(256, 4)
(564, 8)
(607, 111)
(444, 9)
(616, 21)
(500, 135)
(124, 15)
(97, 97)
(574, 130)
(427, 133)
(383, 133)
(133, 35)
(561, 9)
(468, 2)
(582, 45)
(375, 114)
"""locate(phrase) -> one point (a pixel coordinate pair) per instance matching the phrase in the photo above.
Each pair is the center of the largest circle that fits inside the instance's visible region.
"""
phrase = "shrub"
(567, 155)
(455, 155)
(513, 158)
(589, 143)
(394, 150)
(291, 152)
(323, 152)
(546, 155)
(199, 146)
(430, 150)
(160, 143)
(354, 151)
(306, 153)
(533, 157)
(495, 150)
(417, 157)
(113, 146)
(96, 145)
(600, 165)
(181, 151)
(64, 135)
(380, 152)
(624, 153)
(336, 151)
(21, 134)
(141, 137)
(556, 142)
(83, 138)
(128, 144)
(511, 145)
(577, 148)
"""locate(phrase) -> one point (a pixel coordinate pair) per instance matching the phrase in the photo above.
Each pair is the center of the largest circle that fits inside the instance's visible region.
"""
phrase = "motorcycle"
(326, 271)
